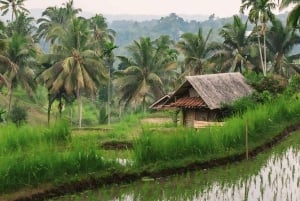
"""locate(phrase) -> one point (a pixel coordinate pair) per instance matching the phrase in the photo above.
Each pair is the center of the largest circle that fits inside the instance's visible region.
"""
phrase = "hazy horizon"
(145, 7)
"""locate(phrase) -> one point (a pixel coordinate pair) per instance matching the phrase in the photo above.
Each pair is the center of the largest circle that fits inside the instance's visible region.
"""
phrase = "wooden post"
(247, 154)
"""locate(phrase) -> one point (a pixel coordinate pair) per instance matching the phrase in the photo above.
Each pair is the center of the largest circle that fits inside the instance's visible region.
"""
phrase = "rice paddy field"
(34, 157)
(273, 175)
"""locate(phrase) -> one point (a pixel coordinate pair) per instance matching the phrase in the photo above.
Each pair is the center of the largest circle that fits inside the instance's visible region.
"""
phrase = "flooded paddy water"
(270, 176)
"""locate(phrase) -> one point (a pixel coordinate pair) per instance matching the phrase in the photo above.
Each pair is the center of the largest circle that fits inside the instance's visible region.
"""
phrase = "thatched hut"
(202, 97)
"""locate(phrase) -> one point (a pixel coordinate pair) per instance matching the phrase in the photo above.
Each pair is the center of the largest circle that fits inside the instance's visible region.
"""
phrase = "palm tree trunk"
(79, 106)
(108, 97)
(49, 110)
(277, 67)
(144, 104)
(60, 106)
(260, 54)
(265, 55)
(10, 93)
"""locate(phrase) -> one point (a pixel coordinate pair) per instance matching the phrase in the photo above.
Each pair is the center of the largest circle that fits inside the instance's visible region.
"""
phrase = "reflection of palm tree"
(260, 10)
(294, 14)
(195, 48)
(235, 47)
(16, 7)
(281, 41)
(142, 74)
(79, 70)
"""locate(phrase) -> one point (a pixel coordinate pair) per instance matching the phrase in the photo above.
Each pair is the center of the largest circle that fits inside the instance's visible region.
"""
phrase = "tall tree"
(260, 12)
(21, 51)
(78, 70)
(235, 48)
(23, 25)
(53, 18)
(142, 76)
(15, 6)
(281, 41)
(103, 44)
(294, 14)
(196, 49)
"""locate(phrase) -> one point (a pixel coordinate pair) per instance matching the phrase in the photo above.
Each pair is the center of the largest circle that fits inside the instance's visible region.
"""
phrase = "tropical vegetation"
(63, 59)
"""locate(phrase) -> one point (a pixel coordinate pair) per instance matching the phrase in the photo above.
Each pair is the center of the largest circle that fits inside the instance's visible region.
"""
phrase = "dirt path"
(49, 191)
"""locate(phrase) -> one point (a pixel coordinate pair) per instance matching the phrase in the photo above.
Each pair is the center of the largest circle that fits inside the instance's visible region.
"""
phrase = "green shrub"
(18, 115)
(273, 83)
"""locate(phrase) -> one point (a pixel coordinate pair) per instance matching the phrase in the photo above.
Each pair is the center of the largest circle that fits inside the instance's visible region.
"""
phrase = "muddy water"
(273, 177)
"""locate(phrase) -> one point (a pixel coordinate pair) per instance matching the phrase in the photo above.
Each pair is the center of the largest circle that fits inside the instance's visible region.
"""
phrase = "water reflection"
(277, 180)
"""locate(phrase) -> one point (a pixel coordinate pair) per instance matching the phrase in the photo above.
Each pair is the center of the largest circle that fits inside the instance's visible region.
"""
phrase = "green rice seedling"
(13, 139)
(48, 163)
(60, 132)
(129, 127)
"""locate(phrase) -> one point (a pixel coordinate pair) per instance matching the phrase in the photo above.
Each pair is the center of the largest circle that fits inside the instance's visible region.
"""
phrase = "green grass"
(31, 156)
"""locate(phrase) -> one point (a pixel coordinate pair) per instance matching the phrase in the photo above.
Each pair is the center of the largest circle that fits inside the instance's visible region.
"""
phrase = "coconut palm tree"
(78, 69)
(23, 25)
(235, 48)
(53, 19)
(17, 55)
(21, 51)
(195, 48)
(260, 11)
(143, 71)
(281, 41)
(15, 6)
(294, 14)
(101, 33)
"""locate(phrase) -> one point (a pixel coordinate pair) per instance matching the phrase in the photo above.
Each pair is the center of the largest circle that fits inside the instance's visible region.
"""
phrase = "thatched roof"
(215, 89)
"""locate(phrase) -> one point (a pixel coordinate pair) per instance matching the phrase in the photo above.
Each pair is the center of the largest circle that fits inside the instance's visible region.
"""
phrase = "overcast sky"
(221, 8)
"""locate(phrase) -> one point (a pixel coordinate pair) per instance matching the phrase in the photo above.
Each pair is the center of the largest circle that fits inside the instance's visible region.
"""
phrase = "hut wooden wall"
(189, 115)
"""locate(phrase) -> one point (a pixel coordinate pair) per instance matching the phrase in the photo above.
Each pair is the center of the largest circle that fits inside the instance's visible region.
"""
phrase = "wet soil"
(119, 178)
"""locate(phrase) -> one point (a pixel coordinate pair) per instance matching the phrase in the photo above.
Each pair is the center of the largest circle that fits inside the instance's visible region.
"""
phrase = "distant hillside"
(131, 27)
(173, 25)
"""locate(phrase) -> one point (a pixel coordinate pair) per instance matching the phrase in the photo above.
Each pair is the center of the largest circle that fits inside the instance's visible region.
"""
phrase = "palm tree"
(100, 30)
(281, 41)
(78, 69)
(260, 11)
(21, 51)
(294, 14)
(196, 50)
(23, 25)
(17, 53)
(141, 77)
(53, 19)
(16, 7)
(103, 44)
(235, 48)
